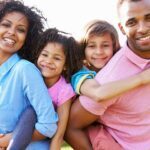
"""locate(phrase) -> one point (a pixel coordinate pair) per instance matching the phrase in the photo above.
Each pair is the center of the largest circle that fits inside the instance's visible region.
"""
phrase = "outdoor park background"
(71, 15)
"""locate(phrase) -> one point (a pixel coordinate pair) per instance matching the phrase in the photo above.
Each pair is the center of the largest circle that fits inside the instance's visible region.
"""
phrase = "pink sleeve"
(65, 94)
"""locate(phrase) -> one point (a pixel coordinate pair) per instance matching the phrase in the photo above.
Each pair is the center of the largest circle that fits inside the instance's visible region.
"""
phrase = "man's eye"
(131, 23)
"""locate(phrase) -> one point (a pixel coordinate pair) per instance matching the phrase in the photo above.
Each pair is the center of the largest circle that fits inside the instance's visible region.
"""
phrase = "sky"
(71, 15)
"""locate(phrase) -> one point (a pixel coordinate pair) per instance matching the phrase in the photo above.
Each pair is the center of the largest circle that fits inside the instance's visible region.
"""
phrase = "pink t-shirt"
(127, 117)
(60, 92)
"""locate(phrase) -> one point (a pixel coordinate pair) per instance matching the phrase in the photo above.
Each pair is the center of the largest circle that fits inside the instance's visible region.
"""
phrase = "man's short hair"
(120, 3)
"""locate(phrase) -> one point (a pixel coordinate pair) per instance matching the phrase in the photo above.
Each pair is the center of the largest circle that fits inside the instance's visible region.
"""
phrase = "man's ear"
(121, 28)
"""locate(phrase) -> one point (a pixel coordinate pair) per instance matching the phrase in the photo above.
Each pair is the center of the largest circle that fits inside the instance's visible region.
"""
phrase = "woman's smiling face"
(13, 32)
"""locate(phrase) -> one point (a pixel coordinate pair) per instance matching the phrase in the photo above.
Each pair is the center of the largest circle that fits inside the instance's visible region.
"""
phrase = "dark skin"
(78, 120)
(135, 24)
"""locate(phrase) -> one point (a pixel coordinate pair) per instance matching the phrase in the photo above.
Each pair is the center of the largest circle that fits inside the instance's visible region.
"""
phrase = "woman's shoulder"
(25, 65)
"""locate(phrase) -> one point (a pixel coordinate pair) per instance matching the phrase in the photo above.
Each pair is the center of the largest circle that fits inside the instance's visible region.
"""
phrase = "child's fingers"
(1, 135)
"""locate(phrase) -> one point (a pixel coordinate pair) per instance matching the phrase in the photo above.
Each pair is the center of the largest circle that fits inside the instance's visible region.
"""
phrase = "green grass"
(66, 147)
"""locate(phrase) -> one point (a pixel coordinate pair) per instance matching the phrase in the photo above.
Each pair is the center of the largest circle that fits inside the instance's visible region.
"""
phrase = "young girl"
(57, 60)
(99, 43)
(20, 29)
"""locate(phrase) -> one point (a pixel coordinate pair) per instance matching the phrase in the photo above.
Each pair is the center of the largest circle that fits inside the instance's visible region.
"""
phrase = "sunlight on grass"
(66, 147)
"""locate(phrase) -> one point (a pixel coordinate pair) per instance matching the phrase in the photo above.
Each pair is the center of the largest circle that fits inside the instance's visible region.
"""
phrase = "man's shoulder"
(116, 59)
(113, 68)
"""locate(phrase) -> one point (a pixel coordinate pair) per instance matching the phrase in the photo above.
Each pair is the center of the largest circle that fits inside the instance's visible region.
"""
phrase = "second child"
(57, 60)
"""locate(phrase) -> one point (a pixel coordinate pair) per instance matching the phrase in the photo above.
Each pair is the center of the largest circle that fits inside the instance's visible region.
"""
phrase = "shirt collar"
(137, 60)
(57, 83)
(8, 64)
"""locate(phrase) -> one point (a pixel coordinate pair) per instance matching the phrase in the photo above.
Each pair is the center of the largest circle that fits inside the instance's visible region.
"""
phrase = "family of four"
(91, 93)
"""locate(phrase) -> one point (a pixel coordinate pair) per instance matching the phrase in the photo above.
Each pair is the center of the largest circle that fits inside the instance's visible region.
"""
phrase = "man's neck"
(145, 54)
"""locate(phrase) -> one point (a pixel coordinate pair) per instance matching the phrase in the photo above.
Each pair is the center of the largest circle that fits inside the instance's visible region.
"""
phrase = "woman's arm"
(63, 114)
(23, 132)
(6, 139)
(37, 136)
(41, 102)
(94, 90)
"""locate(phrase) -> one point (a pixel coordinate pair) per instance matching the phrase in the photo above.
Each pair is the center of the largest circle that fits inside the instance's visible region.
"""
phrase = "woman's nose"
(12, 30)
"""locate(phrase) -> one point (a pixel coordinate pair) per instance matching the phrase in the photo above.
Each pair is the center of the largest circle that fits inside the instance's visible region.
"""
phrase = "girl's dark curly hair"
(70, 46)
(99, 27)
(36, 25)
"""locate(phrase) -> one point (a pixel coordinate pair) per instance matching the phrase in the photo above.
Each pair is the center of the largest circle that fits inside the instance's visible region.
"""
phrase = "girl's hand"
(5, 139)
(2, 148)
(1, 135)
(55, 144)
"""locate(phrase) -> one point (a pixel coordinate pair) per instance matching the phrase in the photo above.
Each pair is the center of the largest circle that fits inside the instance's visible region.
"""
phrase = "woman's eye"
(21, 30)
(5, 24)
(56, 58)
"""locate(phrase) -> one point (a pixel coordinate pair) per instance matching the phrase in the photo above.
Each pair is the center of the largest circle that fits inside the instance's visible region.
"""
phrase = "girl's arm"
(63, 115)
(94, 90)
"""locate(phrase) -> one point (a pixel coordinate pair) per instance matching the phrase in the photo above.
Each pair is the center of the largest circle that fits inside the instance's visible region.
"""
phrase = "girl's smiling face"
(98, 51)
(51, 62)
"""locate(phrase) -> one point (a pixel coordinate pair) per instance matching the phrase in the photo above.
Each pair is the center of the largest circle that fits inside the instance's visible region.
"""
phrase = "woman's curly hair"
(36, 25)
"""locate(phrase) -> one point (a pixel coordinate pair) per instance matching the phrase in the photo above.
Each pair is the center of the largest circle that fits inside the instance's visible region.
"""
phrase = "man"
(126, 118)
